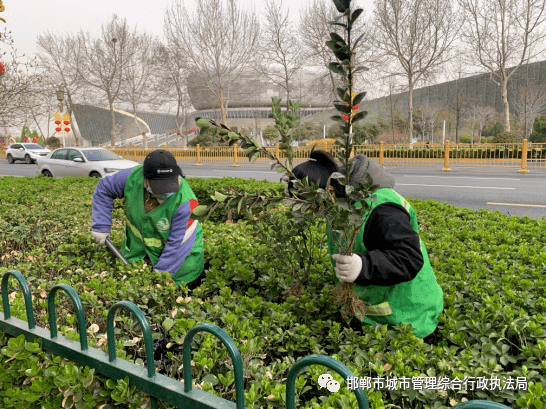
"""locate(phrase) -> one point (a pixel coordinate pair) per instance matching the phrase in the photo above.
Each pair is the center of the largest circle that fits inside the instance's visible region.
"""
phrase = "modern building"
(250, 98)
(476, 89)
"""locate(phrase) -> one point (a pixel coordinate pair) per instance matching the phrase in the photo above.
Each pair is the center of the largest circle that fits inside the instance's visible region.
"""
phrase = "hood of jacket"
(362, 166)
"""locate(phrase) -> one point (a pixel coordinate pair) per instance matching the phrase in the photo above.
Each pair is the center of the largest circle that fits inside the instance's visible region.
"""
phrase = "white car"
(94, 162)
(27, 152)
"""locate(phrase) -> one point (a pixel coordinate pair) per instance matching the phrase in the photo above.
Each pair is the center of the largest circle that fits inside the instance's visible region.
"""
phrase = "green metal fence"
(157, 386)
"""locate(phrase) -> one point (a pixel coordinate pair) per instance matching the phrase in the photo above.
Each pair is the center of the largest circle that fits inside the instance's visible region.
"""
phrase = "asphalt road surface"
(501, 189)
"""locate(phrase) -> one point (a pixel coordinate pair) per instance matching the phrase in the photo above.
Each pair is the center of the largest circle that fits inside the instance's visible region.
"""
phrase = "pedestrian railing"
(514, 155)
(510, 155)
(159, 387)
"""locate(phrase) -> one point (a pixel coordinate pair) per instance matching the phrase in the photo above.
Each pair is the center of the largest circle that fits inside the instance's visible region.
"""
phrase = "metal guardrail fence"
(515, 155)
(511, 155)
(157, 386)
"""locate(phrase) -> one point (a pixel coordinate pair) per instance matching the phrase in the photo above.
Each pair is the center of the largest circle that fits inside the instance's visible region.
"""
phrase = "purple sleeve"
(108, 188)
(176, 250)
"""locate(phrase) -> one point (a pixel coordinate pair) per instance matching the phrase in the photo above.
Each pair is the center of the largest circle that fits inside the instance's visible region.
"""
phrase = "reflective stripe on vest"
(149, 242)
(379, 309)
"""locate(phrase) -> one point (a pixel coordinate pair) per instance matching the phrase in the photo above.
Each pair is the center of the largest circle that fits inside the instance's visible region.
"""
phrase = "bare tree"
(315, 29)
(529, 100)
(503, 34)
(172, 73)
(59, 57)
(219, 47)
(458, 102)
(18, 84)
(428, 118)
(413, 37)
(482, 114)
(281, 56)
(139, 85)
(104, 60)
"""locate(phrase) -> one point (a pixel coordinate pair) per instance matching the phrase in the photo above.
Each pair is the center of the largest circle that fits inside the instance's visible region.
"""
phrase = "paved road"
(501, 189)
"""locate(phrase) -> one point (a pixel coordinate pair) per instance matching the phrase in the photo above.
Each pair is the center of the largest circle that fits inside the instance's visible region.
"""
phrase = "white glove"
(347, 267)
(100, 238)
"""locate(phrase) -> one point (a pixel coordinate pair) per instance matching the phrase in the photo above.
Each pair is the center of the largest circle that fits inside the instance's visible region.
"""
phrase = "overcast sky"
(28, 18)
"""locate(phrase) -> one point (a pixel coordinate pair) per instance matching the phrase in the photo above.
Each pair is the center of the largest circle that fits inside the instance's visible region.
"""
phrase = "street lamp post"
(60, 98)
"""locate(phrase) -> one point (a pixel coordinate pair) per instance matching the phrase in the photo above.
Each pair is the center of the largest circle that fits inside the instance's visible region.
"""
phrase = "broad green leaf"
(360, 68)
(342, 5)
(202, 123)
(219, 197)
(336, 67)
(337, 38)
(338, 118)
(168, 323)
(358, 98)
(200, 210)
(354, 16)
(360, 115)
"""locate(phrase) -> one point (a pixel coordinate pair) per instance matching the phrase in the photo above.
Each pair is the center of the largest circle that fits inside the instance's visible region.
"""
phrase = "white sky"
(28, 18)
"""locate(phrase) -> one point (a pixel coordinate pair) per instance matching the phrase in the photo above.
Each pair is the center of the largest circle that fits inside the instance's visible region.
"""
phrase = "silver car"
(27, 152)
(94, 162)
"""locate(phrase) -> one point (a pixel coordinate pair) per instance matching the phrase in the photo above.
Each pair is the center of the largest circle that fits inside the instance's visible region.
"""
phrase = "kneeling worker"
(159, 228)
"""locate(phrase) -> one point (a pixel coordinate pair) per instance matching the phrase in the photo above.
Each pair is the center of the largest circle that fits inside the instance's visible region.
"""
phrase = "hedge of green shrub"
(491, 267)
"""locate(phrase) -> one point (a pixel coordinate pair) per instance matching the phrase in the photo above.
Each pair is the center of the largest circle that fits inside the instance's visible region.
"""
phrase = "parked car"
(94, 162)
(27, 152)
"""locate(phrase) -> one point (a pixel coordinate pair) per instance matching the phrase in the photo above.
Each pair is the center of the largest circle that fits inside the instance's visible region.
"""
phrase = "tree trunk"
(223, 108)
(113, 121)
(77, 138)
(410, 103)
(506, 106)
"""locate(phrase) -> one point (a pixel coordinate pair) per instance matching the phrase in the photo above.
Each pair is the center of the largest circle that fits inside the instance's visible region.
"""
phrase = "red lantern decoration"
(58, 129)
(57, 122)
(67, 129)
(66, 122)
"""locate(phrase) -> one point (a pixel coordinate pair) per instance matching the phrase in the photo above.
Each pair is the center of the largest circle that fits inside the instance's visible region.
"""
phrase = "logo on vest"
(163, 224)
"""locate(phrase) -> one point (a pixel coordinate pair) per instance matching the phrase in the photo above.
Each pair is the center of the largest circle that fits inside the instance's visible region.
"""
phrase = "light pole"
(60, 98)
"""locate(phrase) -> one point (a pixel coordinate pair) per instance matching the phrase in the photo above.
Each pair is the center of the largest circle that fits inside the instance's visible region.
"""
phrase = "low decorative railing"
(157, 386)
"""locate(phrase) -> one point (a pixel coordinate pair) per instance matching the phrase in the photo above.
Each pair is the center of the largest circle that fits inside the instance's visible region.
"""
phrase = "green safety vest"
(147, 233)
(418, 301)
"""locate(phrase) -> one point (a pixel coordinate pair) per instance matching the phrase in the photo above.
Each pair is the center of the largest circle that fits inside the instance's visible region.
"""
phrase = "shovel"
(115, 250)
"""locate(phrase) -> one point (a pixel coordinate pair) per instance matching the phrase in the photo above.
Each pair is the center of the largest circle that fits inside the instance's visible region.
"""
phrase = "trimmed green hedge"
(492, 269)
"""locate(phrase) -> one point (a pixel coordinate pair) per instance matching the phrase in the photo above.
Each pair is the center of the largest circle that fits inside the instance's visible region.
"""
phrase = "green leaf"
(219, 197)
(360, 68)
(359, 116)
(354, 16)
(336, 67)
(202, 123)
(343, 94)
(200, 210)
(210, 379)
(342, 108)
(338, 118)
(338, 39)
(358, 98)
(168, 323)
(342, 5)
(254, 157)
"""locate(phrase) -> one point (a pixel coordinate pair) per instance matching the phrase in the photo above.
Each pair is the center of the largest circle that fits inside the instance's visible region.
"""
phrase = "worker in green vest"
(390, 264)
(159, 229)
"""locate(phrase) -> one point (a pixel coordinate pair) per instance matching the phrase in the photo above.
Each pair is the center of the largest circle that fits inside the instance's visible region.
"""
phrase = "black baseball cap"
(161, 170)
